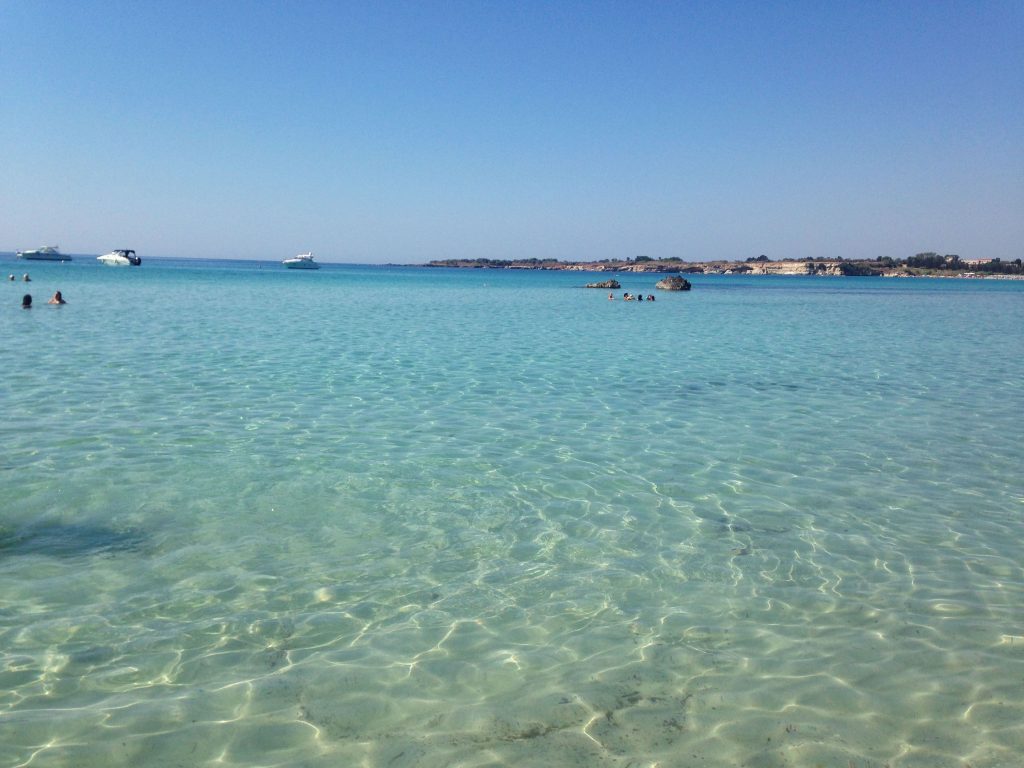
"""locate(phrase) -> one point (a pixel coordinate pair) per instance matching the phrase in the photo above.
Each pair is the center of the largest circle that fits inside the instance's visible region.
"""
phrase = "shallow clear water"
(409, 517)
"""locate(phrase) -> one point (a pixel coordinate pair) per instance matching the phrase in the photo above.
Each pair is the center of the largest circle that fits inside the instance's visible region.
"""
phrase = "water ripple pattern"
(411, 517)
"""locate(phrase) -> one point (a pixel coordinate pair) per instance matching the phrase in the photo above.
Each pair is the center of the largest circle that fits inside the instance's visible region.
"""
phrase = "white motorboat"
(302, 261)
(49, 253)
(123, 257)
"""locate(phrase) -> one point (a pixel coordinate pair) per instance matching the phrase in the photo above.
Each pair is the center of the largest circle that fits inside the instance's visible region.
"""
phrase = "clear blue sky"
(409, 131)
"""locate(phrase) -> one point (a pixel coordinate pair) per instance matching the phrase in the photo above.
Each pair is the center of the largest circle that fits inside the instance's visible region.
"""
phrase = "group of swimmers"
(627, 296)
(26, 300)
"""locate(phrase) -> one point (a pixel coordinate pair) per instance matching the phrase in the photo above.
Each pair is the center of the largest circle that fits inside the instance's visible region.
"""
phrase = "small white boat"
(123, 257)
(49, 253)
(302, 261)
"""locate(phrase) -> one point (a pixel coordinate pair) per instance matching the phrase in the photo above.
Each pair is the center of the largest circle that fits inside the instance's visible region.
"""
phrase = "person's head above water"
(26, 301)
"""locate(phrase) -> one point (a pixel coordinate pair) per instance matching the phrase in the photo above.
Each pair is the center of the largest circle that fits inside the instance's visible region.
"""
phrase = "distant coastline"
(922, 265)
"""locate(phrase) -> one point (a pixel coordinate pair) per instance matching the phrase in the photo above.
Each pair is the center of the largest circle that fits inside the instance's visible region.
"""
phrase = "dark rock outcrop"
(673, 283)
(613, 284)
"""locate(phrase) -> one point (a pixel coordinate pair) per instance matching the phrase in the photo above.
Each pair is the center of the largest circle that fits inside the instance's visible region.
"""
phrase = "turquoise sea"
(394, 517)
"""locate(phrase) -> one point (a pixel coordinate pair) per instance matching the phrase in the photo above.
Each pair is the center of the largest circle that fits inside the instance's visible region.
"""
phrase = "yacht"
(123, 257)
(302, 261)
(49, 253)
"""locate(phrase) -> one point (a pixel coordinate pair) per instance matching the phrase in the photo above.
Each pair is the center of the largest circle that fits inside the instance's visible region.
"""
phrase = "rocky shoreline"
(821, 267)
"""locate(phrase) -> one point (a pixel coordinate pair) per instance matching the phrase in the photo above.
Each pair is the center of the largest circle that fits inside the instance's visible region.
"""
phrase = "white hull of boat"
(123, 258)
(302, 261)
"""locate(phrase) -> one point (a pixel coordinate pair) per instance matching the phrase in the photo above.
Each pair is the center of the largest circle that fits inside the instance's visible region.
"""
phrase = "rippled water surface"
(408, 517)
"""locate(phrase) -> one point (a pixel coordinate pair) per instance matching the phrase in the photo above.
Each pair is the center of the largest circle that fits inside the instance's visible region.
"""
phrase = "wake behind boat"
(302, 261)
(123, 257)
(49, 253)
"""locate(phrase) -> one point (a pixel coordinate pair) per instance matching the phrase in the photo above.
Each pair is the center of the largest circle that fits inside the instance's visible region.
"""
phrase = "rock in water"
(674, 283)
(613, 284)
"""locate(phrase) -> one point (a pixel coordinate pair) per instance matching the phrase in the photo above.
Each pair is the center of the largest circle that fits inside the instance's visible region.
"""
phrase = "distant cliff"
(836, 268)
